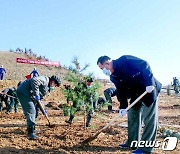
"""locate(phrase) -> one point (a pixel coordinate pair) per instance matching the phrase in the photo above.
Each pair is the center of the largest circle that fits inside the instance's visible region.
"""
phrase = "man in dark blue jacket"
(2, 72)
(34, 72)
(132, 76)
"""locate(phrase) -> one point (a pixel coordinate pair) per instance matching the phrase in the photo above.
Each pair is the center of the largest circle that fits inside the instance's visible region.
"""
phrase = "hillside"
(17, 71)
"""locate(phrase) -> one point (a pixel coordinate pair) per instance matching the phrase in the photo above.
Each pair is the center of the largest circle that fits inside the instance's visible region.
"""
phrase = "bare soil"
(64, 138)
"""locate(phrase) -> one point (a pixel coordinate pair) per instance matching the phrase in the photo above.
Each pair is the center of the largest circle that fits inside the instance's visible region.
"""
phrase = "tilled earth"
(64, 138)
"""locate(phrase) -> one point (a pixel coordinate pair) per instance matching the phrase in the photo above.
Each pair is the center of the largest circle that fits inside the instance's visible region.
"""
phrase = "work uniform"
(13, 100)
(26, 92)
(176, 85)
(108, 93)
(131, 76)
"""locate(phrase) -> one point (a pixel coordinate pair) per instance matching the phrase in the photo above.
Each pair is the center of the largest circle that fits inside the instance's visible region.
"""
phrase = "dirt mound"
(53, 105)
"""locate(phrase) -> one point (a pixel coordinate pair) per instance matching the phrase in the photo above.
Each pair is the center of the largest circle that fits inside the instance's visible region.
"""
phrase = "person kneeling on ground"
(29, 93)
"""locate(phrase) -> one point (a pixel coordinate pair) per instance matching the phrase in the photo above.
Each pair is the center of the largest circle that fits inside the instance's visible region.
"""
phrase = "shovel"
(45, 114)
(112, 121)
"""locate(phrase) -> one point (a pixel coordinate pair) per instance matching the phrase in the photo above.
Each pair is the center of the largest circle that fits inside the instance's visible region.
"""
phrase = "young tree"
(83, 97)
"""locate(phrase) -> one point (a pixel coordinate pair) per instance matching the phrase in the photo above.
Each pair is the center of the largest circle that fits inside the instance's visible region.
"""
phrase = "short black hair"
(90, 79)
(103, 59)
(56, 80)
(19, 83)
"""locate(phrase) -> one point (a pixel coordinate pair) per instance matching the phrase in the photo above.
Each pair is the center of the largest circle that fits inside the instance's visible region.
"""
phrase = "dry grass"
(8, 59)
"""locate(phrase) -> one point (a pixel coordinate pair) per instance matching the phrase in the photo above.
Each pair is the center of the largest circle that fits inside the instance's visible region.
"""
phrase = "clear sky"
(62, 29)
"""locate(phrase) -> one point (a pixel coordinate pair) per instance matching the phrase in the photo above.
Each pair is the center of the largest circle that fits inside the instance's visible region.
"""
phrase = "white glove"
(149, 89)
(122, 112)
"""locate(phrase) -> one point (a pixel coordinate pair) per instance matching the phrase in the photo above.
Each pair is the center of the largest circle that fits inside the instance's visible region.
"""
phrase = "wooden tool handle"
(138, 99)
(42, 109)
(115, 118)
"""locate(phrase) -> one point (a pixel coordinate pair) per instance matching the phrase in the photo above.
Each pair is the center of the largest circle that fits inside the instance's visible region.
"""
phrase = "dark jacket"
(12, 92)
(2, 70)
(3, 96)
(38, 86)
(35, 73)
(131, 76)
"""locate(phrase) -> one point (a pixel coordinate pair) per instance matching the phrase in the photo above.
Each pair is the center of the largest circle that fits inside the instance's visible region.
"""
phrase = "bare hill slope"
(19, 71)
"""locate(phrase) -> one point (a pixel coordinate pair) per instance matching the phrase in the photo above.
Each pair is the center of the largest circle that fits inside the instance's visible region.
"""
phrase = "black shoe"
(32, 136)
(88, 124)
(35, 130)
(68, 121)
(31, 133)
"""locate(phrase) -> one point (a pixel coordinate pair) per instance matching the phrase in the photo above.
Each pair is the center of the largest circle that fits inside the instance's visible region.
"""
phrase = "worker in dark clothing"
(13, 100)
(101, 101)
(91, 98)
(176, 85)
(2, 72)
(4, 98)
(9, 96)
(29, 93)
(132, 76)
(108, 93)
(34, 72)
